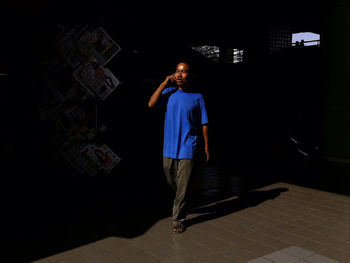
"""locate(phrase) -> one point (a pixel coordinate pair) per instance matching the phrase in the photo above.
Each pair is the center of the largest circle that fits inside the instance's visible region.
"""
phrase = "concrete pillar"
(335, 143)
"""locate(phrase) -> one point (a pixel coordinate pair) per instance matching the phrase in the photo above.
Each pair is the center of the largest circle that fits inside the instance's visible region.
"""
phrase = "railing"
(316, 43)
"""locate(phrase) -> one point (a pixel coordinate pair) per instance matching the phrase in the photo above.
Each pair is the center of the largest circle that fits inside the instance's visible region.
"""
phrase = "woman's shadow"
(224, 208)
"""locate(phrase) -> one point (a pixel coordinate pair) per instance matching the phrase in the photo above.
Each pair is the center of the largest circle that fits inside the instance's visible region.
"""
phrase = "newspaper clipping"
(104, 157)
(98, 80)
(97, 44)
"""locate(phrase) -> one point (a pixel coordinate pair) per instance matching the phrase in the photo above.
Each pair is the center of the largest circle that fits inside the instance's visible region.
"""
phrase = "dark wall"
(251, 106)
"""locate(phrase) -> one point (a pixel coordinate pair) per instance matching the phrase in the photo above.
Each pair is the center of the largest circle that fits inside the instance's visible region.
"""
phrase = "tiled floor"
(293, 254)
(278, 223)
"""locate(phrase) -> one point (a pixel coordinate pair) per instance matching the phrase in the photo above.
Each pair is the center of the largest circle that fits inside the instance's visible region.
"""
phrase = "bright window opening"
(305, 39)
(237, 55)
(211, 52)
(226, 55)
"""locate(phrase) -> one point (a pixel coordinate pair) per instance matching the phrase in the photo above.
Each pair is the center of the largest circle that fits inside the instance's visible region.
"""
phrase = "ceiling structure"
(207, 22)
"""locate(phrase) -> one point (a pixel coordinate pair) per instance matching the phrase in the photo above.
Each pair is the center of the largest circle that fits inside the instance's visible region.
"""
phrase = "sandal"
(178, 229)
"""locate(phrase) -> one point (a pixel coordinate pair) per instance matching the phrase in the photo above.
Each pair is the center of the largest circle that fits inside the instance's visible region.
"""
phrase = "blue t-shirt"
(185, 114)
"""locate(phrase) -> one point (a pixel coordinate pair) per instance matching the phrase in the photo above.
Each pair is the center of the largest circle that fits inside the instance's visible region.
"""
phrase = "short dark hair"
(185, 60)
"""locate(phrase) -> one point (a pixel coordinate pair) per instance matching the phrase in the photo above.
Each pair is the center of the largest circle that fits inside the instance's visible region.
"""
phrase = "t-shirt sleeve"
(204, 116)
(165, 95)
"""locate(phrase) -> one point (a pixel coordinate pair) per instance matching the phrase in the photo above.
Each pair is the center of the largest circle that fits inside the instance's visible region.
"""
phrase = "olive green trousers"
(178, 173)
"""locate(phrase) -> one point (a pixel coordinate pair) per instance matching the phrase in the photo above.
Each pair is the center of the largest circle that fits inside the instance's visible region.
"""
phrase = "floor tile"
(317, 258)
(281, 257)
(297, 252)
(260, 260)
